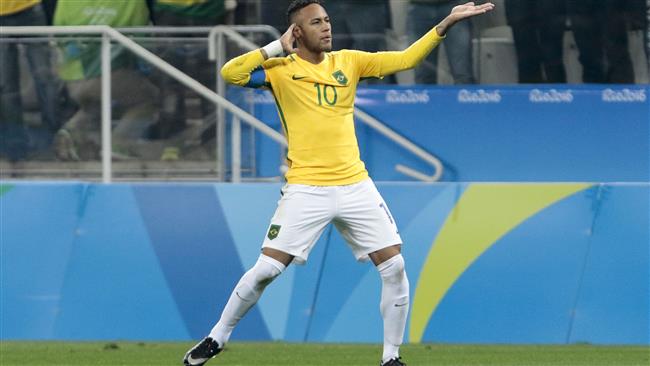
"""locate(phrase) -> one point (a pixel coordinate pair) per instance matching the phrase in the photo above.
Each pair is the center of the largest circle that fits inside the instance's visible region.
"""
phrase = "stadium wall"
(488, 263)
(546, 133)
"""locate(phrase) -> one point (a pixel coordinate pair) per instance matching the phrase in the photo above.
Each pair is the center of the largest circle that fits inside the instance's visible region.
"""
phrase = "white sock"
(245, 295)
(394, 304)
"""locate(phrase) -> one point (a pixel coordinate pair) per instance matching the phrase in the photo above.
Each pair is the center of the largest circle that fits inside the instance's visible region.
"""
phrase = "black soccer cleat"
(202, 352)
(397, 361)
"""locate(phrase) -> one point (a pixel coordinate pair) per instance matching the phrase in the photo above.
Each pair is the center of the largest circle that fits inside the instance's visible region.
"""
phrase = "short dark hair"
(296, 5)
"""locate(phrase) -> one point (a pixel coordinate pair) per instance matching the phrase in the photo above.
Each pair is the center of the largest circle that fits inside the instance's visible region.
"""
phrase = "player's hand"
(461, 12)
(469, 10)
(288, 40)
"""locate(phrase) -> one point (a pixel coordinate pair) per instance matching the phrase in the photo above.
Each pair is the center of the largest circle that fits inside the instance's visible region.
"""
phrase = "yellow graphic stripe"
(484, 214)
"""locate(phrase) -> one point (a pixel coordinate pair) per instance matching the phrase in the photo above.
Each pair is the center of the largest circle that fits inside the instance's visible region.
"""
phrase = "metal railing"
(217, 52)
(109, 34)
(216, 45)
(408, 145)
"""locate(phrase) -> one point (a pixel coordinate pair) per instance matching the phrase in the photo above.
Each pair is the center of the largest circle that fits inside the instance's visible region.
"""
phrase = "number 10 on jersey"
(327, 93)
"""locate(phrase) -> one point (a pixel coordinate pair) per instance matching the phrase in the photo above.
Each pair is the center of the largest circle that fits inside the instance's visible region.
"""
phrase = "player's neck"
(312, 57)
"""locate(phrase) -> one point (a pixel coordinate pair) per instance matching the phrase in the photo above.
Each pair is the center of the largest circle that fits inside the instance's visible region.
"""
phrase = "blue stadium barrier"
(549, 133)
(536, 263)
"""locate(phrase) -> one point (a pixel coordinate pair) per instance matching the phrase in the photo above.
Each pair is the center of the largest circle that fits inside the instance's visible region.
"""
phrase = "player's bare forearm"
(462, 12)
(444, 26)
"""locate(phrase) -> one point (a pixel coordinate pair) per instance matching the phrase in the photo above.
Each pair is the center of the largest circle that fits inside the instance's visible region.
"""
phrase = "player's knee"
(253, 283)
(268, 269)
(393, 270)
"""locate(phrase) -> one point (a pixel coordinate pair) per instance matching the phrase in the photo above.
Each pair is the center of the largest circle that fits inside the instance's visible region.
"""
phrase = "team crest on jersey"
(274, 230)
(340, 77)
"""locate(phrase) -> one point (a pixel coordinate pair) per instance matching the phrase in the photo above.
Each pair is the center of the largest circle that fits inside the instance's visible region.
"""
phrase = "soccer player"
(327, 182)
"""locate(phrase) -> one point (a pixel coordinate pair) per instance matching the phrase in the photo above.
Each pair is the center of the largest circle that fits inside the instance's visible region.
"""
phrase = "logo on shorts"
(274, 230)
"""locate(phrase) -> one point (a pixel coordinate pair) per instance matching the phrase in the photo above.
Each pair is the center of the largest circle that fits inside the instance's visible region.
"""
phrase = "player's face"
(314, 31)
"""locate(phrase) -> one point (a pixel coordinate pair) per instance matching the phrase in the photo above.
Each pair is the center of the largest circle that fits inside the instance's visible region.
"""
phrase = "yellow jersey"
(8, 7)
(316, 104)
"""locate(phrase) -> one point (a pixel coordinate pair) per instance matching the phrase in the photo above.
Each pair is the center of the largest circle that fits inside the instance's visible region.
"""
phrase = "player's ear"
(297, 31)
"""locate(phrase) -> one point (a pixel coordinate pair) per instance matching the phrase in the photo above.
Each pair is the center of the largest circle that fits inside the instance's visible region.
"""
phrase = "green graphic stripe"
(4, 188)
(482, 216)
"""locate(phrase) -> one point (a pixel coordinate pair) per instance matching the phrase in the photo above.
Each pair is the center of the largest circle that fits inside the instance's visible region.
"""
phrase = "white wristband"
(273, 49)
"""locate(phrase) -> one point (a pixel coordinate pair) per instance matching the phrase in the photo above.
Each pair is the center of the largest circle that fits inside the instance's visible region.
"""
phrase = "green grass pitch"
(272, 354)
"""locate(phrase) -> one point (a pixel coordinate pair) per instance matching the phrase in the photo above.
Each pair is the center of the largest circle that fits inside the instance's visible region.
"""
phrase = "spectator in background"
(637, 13)
(362, 25)
(600, 30)
(48, 7)
(538, 30)
(193, 13)
(274, 13)
(134, 97)
(15, 139)
(647, 35)
(458, 44)
(191, 58)
(359, 24)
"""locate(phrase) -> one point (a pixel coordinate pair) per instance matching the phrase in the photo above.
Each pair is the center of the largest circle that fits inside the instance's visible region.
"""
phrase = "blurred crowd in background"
(58, 115)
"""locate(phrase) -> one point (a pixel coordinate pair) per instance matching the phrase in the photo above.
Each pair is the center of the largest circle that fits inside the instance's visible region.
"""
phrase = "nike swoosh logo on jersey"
(296, 77)
(399, 306)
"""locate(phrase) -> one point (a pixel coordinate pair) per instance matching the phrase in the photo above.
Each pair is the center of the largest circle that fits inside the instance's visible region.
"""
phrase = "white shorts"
(357, 211)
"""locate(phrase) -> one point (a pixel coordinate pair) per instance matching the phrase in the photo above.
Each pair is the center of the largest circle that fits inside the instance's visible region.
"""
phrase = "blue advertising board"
(488, 263)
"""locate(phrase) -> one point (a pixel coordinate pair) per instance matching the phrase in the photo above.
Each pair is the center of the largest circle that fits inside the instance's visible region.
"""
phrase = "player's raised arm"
(241, 69)
(386, 63)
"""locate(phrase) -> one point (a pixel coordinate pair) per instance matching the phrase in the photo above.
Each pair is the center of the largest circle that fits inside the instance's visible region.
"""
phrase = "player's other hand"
(288, 40)
(469, 10)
